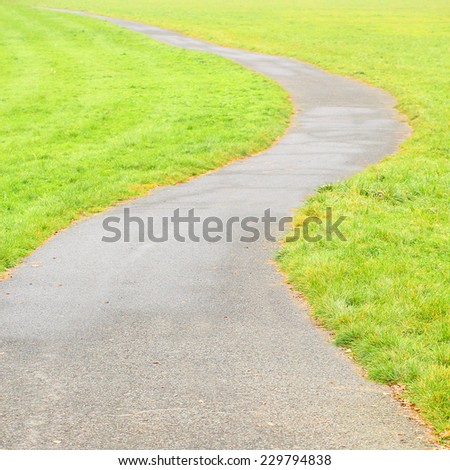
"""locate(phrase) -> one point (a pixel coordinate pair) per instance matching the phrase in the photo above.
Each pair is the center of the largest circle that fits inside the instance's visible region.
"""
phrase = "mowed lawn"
(384, 292)
(91, 114)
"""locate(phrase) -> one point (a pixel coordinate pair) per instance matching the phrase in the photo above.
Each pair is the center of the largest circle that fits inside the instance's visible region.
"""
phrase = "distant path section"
(199, 344)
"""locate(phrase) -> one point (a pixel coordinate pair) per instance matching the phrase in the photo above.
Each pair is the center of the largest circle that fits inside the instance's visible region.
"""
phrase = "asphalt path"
(192, 345)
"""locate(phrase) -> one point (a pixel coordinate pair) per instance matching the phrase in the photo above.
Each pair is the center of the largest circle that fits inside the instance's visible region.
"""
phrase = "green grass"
(384, 292)
(91, 114)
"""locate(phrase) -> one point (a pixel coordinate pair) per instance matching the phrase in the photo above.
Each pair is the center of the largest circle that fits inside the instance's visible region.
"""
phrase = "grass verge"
(91, 114)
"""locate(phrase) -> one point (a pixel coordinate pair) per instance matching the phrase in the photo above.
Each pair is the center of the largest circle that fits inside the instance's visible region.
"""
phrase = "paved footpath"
(200, 345)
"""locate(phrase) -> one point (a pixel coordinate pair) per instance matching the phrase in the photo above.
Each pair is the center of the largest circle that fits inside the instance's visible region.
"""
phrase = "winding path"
(200, 345)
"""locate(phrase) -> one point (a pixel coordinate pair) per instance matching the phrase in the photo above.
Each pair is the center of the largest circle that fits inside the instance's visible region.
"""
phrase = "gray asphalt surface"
(200, 345)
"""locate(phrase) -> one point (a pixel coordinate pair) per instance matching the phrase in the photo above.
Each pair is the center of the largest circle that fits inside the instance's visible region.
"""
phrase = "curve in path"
(200, 345)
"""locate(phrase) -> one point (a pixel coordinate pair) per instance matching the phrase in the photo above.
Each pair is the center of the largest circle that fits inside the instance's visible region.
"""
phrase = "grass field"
(91, 114)
(385, 292)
